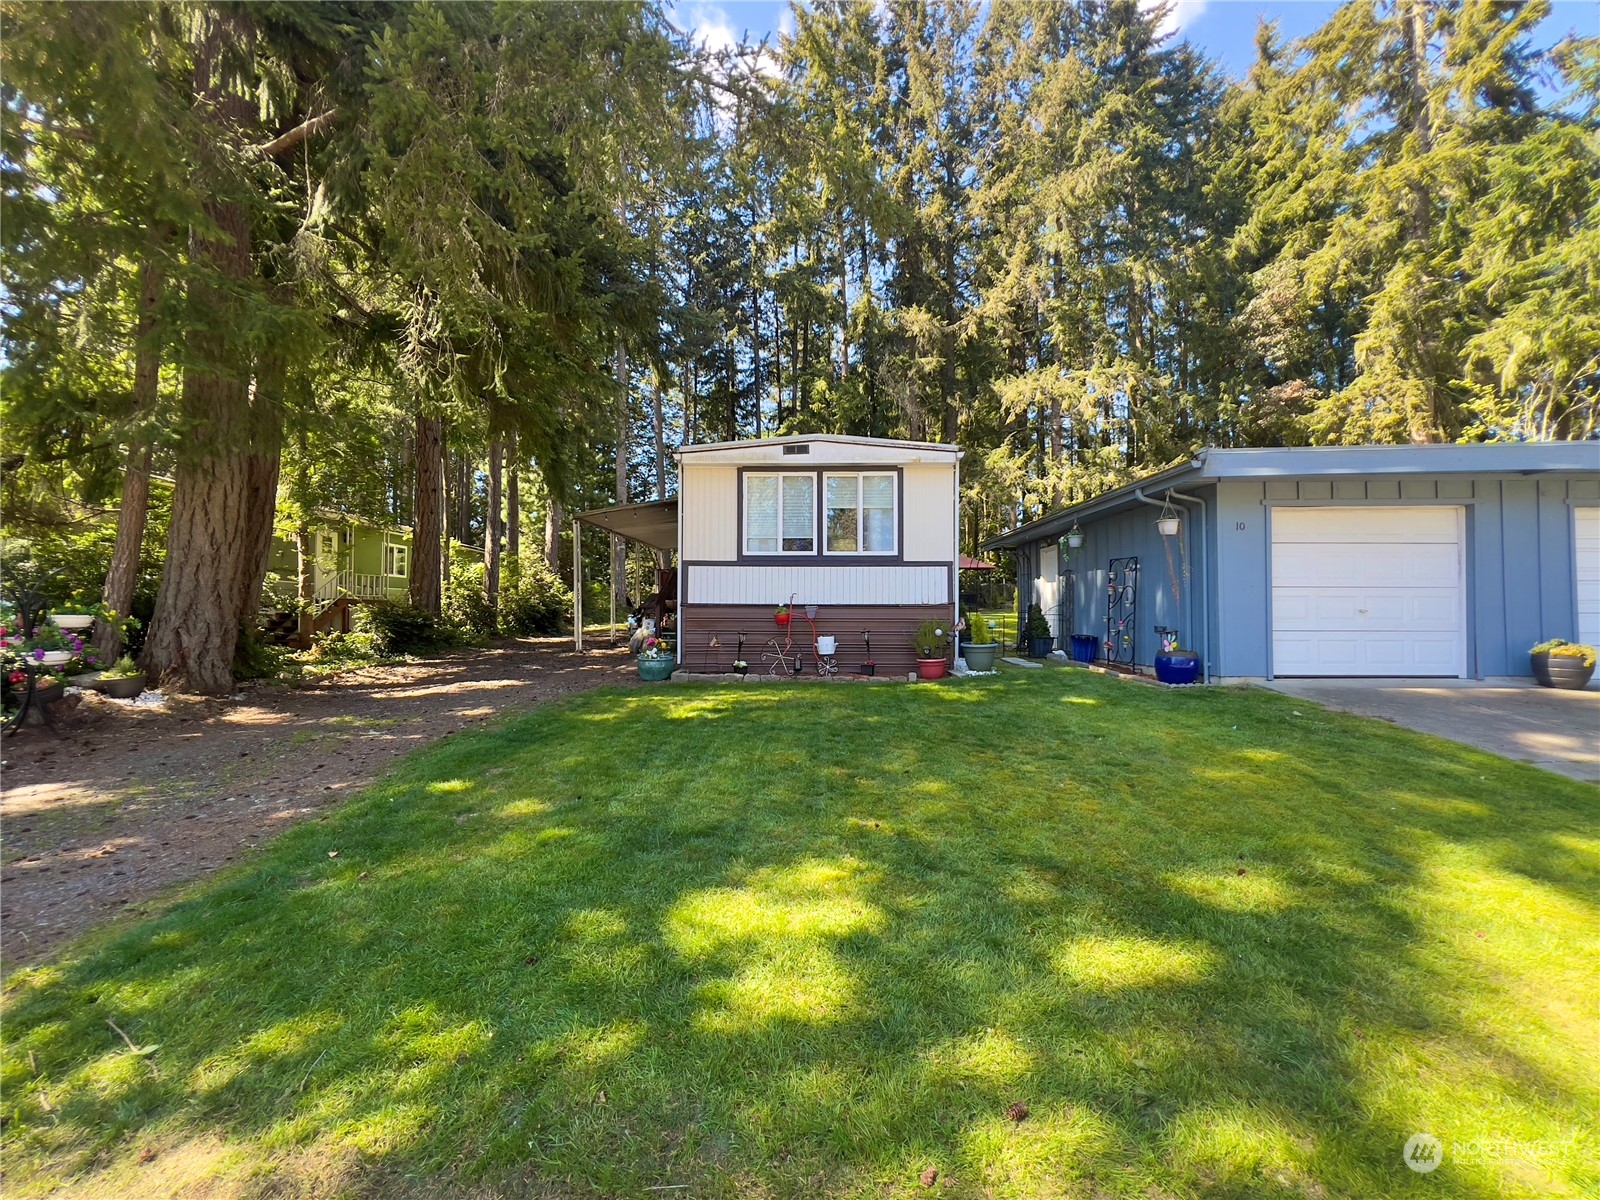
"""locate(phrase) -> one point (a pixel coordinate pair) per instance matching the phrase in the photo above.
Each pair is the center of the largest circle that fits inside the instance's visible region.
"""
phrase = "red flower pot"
(931, 668)
(781, 618)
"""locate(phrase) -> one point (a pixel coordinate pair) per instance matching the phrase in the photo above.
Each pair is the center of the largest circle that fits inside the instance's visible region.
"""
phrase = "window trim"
(860, 475)
(402, 553)
(744, 515)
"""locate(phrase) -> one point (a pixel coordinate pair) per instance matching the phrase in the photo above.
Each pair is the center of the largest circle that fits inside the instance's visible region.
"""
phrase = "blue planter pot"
(1040, 647)
(1084, 646)
(1181, 666)
(654, 670)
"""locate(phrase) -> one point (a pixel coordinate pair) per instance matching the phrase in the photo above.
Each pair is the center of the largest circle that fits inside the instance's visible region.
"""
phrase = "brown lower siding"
(890, 625)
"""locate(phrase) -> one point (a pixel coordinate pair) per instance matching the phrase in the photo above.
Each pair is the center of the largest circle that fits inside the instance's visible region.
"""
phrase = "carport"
(653, 524)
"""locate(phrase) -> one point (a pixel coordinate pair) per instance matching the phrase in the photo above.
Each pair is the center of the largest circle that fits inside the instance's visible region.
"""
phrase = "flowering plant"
(655, 647)
(739, 664)
(49, 636)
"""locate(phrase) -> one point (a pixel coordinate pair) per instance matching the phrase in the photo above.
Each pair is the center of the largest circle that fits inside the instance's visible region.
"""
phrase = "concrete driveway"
(1556, 730)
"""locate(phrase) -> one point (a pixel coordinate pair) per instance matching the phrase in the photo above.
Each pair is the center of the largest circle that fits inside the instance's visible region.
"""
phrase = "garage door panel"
(1367, 591)
(1395, 609)
(1424, 523)
(1586, 548)
(1339, 564)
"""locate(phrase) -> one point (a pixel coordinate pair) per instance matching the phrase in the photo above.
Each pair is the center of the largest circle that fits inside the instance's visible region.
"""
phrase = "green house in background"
(351, 559)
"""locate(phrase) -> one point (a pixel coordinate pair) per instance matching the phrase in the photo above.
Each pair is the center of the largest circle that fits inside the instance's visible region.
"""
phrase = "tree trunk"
(658, 423)
(491, 527)
(619, 548)
(427, 530)
(513, 515)
(265, 454)
(554, 518)
(195, 626)
(123, 574)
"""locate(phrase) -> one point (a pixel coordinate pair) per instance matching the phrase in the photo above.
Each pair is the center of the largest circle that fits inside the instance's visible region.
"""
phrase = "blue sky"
(1224, 29)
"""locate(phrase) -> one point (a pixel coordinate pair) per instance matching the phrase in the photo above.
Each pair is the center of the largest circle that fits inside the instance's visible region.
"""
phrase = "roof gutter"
(1204, 620)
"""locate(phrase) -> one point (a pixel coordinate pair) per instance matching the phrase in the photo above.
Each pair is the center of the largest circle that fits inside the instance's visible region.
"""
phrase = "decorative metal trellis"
(1122, 602)
(1066, 609)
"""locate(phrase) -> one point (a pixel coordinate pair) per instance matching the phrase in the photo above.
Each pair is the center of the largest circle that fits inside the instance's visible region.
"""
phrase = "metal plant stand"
(1122, 602)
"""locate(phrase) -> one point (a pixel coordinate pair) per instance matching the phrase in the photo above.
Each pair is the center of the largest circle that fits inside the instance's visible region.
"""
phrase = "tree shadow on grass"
(818, 942)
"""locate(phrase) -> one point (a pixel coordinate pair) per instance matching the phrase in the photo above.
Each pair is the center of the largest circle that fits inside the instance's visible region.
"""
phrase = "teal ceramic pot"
(654, 670)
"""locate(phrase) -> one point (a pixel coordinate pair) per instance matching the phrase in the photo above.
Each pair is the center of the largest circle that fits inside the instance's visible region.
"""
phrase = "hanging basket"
(1074, 541)
(1168, 526)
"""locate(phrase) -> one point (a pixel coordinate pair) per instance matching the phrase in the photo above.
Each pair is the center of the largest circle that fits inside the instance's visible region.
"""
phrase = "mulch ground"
(122, 803)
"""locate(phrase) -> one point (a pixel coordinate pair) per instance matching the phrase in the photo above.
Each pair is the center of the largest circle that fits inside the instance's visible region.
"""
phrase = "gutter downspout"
(1205, 579)
(955, 565)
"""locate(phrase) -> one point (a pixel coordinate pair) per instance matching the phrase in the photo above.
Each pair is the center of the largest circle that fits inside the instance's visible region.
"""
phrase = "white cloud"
(707, 24)
(1181, 14)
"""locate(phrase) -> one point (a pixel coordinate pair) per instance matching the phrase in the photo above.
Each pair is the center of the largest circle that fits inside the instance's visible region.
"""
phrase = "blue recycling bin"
(1084, 646)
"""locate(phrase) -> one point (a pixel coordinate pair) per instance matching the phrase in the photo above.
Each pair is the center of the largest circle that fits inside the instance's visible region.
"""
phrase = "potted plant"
(740, 667)
(75, 616)
(656, 661)
(1559, 663)
(870, 666)
(1074, 537)
(930, 642)
(123, 681)
(981, 651)
(1037, 631)
(1178, 666)
(780, 615)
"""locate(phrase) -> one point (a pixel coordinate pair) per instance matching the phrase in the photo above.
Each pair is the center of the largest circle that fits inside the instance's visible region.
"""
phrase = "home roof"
(1322, 462)
(841, 439)
(655, 524)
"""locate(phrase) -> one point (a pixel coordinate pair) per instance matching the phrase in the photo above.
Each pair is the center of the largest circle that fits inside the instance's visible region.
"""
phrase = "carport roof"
(1322, 462)
(655, 524)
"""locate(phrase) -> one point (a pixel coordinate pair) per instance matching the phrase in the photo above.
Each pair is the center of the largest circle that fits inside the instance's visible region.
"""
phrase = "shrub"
(931, 639)
(1038, 626)
(123, 668)
(1561, 648)
(978, 631)
(465, 603)
(537, 603)
(398, 628)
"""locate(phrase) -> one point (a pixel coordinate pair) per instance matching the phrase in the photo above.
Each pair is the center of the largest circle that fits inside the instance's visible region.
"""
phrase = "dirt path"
(128, 801)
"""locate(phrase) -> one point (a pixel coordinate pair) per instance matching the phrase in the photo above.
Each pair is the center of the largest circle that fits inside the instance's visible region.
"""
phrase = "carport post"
(577, 585)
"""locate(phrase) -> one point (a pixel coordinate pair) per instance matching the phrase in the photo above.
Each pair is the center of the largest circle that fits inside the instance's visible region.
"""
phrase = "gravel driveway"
(124, 802)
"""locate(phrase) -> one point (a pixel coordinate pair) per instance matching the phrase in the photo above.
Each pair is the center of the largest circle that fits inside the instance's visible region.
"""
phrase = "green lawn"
(812, 941)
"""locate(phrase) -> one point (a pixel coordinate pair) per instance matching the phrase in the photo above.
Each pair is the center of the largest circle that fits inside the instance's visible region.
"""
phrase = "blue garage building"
(1439, 560)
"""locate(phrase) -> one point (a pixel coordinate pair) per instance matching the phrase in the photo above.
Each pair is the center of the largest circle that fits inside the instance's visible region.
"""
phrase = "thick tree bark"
(554, 519)
(491, 526)
(261, 485)
(427, 530)
(514, 514)
(122, 576)
(196, 627)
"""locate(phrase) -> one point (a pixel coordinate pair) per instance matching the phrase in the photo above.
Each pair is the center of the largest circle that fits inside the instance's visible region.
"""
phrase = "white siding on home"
(929, 498)
(708, 499)
(773, 585)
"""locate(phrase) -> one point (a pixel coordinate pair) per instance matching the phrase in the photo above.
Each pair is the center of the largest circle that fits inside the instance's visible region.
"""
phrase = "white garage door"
(1586, 553)
(1367, 591)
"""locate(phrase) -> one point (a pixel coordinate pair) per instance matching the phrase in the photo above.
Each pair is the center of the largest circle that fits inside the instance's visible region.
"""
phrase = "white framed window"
(394, 559)
(780, 514)
(862, 513)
